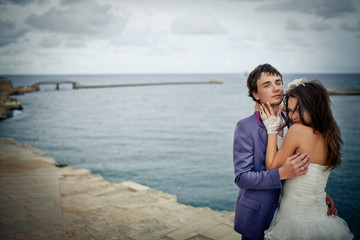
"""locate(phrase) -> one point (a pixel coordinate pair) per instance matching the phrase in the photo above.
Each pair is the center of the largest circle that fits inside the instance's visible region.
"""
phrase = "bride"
(302, 213)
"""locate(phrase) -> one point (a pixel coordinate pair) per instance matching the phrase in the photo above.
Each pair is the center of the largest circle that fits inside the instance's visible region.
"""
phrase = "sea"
(174, 138)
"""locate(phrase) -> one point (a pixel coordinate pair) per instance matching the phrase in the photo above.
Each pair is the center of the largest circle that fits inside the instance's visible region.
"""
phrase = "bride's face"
(293, 111)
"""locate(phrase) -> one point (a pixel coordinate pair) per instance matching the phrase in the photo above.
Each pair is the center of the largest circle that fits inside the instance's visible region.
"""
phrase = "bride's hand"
(271, 122)
(257, 107)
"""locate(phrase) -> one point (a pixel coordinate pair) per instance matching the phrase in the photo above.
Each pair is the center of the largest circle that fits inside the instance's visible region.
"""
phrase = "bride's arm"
(274, 158)
(271, 150)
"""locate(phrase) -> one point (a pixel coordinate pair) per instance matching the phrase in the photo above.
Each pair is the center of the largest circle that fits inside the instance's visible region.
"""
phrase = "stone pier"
(41, 201)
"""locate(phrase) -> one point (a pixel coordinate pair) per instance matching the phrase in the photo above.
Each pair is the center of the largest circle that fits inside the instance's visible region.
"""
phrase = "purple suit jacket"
(259, 189)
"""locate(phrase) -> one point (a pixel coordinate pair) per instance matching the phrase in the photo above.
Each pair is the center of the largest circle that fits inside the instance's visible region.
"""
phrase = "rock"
(23, 89)
(5, 85)
(8, 104)
(7, 88)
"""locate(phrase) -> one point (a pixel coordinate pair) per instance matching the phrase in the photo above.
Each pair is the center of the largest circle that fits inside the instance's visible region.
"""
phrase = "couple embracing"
(264, 158)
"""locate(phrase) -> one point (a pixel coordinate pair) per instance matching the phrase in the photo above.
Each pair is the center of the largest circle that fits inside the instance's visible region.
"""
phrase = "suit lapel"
(261, 129)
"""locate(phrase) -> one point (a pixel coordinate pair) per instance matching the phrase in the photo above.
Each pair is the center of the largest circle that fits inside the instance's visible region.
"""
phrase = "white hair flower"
(296, 82)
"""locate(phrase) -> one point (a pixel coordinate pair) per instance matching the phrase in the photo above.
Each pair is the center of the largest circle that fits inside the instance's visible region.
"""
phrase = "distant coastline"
(8, 103)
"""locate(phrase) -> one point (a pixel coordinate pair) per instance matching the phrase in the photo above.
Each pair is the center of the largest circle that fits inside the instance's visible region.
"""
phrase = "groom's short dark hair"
(256, 74)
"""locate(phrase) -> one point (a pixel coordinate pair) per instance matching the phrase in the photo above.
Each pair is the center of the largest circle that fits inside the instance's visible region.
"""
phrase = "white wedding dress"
(302, 213)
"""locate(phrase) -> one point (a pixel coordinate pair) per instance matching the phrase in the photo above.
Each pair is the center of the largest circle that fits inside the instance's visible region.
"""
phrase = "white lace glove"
(272, 124)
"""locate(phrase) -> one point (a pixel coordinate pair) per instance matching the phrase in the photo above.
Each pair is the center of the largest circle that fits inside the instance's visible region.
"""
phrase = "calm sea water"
(177, 138)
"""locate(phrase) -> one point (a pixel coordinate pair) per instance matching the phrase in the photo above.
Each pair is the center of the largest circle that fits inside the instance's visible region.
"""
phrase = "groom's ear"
(256, 95)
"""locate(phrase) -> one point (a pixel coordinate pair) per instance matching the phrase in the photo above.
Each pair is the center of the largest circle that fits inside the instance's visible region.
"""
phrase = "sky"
(178, 36)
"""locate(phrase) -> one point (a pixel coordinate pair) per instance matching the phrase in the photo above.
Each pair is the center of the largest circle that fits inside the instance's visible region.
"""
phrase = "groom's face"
(269, 89)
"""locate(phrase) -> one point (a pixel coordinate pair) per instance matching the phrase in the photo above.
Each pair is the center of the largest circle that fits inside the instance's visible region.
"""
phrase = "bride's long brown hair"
(314, 98)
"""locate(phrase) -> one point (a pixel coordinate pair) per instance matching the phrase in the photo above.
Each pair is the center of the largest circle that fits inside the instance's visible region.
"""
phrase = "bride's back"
(311, 143)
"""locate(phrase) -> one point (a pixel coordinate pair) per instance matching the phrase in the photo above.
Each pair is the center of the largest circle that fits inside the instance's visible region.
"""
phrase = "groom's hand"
(332, 209)
(294, 166)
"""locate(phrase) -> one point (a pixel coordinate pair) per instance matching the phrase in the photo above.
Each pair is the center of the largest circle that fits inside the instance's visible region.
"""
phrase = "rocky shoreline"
(7, 103)
(41, 201)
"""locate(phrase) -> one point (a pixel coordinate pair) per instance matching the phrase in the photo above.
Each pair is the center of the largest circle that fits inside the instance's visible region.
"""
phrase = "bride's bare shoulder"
(298, 128)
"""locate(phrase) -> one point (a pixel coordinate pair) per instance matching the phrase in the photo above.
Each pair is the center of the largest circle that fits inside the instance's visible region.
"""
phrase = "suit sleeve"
(243, 156)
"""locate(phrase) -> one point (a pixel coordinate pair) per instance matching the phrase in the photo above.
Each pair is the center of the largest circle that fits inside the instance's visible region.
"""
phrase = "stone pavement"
(41, 201)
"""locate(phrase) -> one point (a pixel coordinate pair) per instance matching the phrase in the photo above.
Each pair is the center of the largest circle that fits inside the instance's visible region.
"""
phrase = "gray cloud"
(50, 42)
(143, 37)
(351, 28)
(66, 2)
(80, 18)
(10, 32)
(14, 62)
(321, 8)
(320, 27)
(293, 25)
(197, 24)
(75, 42)
(10, 52)
(21, 2)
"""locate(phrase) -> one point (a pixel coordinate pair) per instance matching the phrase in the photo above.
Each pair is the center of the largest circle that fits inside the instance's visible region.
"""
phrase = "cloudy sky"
(178, 36)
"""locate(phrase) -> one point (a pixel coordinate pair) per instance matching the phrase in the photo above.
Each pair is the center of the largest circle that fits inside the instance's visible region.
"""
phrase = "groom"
(260, 189)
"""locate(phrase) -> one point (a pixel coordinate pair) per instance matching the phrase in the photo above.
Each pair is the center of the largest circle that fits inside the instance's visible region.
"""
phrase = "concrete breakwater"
(39, 200)
(343, 91)
(77, 85)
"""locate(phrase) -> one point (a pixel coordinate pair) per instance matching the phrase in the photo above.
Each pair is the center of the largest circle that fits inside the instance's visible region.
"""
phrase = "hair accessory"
(296, 82)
